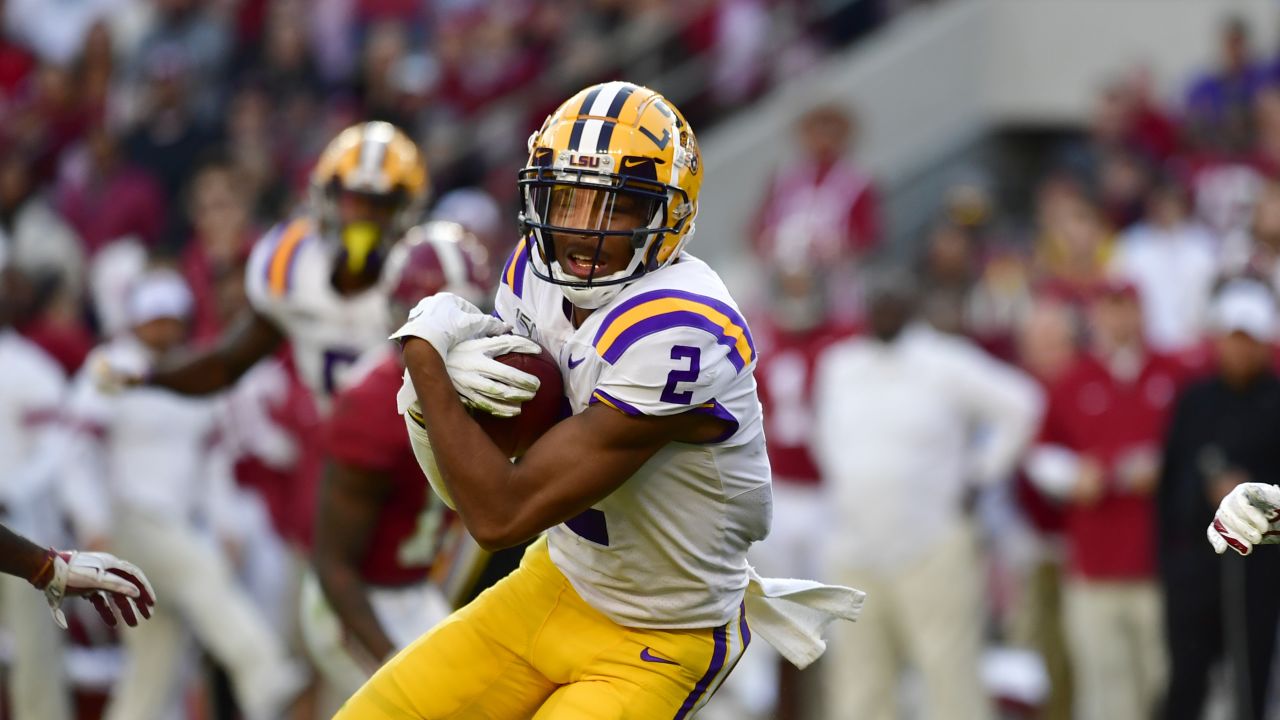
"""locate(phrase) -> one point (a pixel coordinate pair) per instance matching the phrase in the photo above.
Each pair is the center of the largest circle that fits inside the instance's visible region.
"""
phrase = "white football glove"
(110, 375)
(444, 320)
(99, 577)
(486, 384)
(1249, 515)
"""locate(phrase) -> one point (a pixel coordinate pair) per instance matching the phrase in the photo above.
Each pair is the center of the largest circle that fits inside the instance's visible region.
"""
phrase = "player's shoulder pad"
(273, 261)
(663, 318)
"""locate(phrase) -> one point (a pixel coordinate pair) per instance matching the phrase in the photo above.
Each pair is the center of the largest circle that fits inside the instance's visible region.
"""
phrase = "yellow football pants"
(530, 647)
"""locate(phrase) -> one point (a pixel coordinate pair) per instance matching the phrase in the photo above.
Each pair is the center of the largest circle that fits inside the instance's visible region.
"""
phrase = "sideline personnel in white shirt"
(172, 498)
(908, 424)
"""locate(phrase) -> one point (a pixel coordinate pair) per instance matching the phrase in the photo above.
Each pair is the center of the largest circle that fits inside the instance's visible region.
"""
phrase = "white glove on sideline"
(444, 320)
(112, 373)
(99, 577)
(1249, 515)
(486, 384)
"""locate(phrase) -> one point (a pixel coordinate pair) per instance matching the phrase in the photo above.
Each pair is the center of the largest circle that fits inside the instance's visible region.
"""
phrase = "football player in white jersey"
(633, 605)
(313, 280)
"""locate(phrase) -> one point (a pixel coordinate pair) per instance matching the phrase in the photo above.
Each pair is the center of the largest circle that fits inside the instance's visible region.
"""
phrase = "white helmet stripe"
(451, 260)
(599, 108)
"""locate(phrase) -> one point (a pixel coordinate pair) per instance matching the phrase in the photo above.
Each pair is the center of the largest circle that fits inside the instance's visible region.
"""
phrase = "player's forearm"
(348, 598)
(20, 557)
(475, 471)
(202, 374)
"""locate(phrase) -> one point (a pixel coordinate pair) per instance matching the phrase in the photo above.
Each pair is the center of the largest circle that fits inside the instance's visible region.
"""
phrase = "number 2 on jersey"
(687, 375)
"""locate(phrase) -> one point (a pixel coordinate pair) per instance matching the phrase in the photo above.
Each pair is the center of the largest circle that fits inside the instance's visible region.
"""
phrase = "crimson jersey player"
(380, 531)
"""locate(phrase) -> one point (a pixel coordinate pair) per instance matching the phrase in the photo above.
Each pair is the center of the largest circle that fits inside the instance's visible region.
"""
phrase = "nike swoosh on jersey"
(647, 656)
(575, 363)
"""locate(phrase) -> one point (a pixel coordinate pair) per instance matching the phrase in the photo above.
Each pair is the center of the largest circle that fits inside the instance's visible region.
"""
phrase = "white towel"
(792, 614)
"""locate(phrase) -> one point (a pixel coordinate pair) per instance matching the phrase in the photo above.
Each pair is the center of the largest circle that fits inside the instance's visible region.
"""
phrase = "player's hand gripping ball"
(515, 435)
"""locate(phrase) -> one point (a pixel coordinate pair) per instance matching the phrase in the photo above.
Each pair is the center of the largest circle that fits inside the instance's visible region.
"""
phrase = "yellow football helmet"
(611, 145)
(368, 188)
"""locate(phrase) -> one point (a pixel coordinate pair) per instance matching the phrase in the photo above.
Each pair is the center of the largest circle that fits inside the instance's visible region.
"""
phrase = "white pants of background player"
(197, 594)
(38, 684)
(926, 614)
(792, 549)
(405, 613)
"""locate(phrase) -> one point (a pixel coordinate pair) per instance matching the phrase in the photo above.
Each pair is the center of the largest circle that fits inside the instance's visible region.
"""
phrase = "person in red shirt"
(1099, 455)
(380, 533)
(823, 207)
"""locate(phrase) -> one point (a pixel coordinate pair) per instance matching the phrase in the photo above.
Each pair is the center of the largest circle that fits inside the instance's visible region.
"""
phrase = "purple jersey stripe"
(643, 298)
(666, 321)
(521, 260)
(744, 628)
(600, 396)
(717, 662)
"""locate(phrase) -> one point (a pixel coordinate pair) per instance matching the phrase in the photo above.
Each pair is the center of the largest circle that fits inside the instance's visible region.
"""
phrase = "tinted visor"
(593, 209)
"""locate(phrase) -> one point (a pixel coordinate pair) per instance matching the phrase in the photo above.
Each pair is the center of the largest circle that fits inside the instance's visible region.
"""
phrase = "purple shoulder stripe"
(698, 313)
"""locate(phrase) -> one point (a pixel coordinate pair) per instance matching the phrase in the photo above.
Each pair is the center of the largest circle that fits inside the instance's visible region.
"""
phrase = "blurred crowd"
(1014, 443)
(1015, 440)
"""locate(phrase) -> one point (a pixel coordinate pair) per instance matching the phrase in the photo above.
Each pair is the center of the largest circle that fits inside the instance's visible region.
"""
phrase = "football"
(517, 434)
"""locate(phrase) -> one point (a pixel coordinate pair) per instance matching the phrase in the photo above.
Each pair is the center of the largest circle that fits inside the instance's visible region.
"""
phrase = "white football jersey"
(289, 281)
(668, 548)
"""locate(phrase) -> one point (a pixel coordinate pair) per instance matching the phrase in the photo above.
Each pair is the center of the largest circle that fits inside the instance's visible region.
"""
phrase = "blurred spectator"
(32, 393)
(1260, 257)
(822, 207)
(105, 197)
(950, 269)
(793, 335)
(170, 139)
(157, 457)
(1225, 431)
(1127, 134)
(219, 216)
(55, 31)
(1047, 340)
(16, 63)
(895, 417)
(1172, 261)
(39, 243)
(94, 72)
(36, 239)
(1074, 243)
(1099, 453)
(200, 31)
(1218, 105)
(284, 64)
(266, 154)
(740, 53)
